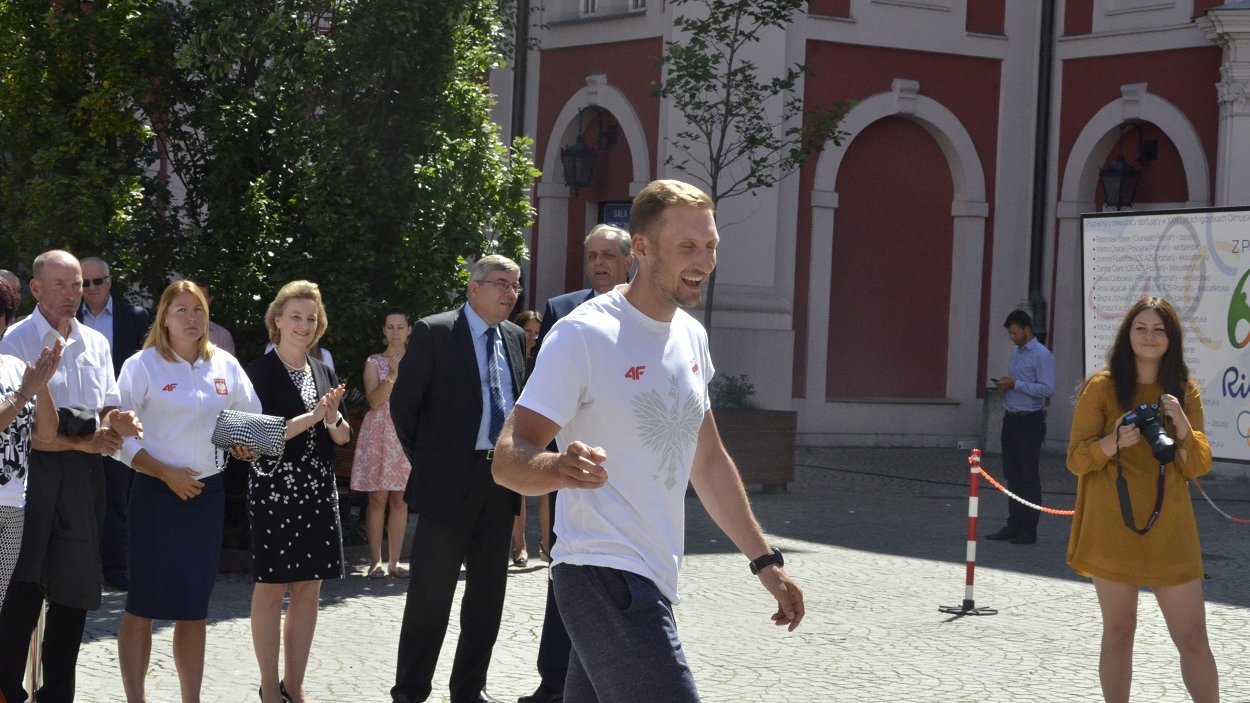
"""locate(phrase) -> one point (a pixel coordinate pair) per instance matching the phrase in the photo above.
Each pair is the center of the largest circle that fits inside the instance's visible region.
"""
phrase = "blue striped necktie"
(496, 386)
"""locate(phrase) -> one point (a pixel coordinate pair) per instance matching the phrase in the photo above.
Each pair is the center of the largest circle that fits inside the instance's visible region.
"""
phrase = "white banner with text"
(1200, 261)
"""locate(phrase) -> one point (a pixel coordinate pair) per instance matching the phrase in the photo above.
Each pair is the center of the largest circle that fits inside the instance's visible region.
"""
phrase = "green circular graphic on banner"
(1238, 311)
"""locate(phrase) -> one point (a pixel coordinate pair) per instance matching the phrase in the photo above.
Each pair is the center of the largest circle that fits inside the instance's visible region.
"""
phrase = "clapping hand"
(328, 407)
(35, 378)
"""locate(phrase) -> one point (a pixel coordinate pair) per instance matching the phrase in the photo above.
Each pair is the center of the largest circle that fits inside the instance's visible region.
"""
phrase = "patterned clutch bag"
(263, 434)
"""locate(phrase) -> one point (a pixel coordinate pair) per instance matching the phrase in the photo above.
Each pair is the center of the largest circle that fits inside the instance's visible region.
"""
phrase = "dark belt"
(1023, 413)
(484, 454)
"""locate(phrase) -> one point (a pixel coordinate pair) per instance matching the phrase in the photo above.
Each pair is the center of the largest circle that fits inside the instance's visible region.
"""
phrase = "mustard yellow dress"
(1101, 545)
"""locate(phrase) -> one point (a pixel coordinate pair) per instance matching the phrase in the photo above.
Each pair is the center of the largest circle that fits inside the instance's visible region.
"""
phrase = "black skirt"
(175, 549)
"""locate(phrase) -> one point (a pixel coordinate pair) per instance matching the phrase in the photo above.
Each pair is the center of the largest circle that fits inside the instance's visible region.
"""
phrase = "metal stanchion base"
(968, 608)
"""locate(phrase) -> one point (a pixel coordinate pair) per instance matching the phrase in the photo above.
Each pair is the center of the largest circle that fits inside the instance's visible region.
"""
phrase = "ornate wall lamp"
(579, 157)
(1119, 179)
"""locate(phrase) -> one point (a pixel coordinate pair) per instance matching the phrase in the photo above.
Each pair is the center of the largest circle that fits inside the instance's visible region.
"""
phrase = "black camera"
(1146, 418)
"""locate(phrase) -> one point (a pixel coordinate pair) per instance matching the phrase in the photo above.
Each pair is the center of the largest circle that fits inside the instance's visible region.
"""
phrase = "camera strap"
(1126, 504)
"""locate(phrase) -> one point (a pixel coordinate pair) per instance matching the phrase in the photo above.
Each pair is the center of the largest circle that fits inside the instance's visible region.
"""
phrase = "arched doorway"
(889, 296)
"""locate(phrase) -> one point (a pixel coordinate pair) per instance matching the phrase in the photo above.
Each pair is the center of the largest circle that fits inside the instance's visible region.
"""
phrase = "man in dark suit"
(609, 259)
(125, 326)
(457, 382)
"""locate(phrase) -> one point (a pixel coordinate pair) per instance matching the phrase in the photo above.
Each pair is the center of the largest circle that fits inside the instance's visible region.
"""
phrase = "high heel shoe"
(286, 697)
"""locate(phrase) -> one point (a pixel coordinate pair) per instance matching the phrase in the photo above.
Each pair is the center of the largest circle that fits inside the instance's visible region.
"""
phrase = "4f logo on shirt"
(220, 385)
(169, 387)
(694, 366)
(635, 372)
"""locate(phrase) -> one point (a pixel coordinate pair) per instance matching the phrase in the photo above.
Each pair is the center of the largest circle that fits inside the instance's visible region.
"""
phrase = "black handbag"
(263, 434)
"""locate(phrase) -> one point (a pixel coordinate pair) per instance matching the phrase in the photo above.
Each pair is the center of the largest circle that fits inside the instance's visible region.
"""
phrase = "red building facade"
(867, 290)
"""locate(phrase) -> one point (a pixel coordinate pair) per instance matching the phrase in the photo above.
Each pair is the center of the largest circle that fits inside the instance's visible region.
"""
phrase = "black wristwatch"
(773, 557)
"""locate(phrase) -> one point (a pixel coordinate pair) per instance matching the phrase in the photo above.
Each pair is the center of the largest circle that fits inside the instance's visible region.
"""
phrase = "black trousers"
(554, 645)
(62, 636)
(113, 540)
(482, 539)
(1022, 452)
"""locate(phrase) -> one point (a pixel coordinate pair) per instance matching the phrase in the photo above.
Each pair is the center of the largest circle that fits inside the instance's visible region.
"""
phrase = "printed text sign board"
(1200, 261)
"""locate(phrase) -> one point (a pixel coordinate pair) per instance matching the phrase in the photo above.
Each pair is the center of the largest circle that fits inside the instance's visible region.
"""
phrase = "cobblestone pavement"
(875, 537)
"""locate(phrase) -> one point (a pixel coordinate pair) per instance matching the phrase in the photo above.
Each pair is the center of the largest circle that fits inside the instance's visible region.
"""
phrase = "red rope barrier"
(1013, 496)
(1216, 508)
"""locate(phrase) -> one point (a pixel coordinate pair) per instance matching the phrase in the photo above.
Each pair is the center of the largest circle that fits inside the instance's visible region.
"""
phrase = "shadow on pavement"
(914, 503)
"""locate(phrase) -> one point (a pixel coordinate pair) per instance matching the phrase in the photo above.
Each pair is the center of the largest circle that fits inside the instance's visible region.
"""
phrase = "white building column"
(1229, 27)
(553, 240)
(819, 282)
(964, 331)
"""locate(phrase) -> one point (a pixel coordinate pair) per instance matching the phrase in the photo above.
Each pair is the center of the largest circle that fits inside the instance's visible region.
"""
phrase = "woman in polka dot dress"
(292, 499)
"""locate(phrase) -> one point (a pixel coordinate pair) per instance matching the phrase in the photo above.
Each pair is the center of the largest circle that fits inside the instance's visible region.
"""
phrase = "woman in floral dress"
(380, 467)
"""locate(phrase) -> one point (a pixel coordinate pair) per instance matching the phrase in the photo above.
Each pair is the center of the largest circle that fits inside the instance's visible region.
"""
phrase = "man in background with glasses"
(457, 382)
(124, 326)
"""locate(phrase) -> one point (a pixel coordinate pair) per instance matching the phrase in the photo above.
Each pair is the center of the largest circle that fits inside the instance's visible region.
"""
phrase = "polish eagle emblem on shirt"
(669, 426)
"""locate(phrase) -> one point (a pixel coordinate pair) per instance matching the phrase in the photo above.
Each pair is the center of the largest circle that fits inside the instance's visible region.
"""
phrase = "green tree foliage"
(351, 144)
(347, 142)
(744, 130)
(73, 154)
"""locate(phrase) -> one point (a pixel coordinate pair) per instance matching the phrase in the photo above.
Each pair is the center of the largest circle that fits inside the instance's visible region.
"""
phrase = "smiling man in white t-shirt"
(621, 383)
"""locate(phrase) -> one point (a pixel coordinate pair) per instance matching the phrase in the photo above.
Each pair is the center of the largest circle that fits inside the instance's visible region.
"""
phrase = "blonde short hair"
(305, 290)
(651, 202)
(158, 335)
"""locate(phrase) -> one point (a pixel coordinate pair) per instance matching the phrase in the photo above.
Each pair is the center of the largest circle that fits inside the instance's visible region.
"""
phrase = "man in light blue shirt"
(1029, 384)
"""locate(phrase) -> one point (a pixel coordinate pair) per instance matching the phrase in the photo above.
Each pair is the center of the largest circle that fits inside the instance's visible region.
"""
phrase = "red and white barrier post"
(969, 606)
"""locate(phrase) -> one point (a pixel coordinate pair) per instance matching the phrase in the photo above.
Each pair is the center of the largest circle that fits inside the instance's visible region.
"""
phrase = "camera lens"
(1147, 420)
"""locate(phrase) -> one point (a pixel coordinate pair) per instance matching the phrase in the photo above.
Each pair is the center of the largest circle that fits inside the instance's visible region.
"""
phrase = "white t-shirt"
(178, 403)
(85, 376)
(15, 438)
(614, 378)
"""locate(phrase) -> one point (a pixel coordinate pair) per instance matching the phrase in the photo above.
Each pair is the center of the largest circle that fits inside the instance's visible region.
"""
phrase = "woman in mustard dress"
(1144, 365)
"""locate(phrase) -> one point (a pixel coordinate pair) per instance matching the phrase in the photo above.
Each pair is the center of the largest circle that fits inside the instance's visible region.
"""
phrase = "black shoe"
(481, 697)
(1004, 534)
(1025, 538)
(286, 698)
(542, 696)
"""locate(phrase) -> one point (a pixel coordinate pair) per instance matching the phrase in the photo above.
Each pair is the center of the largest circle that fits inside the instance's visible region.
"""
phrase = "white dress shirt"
(178, 403)
(85, 376)
(102, 323)
(477, 330)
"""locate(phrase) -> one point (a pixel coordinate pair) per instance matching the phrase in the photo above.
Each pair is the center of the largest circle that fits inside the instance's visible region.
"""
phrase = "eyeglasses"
(503, 285)
(89, 282)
